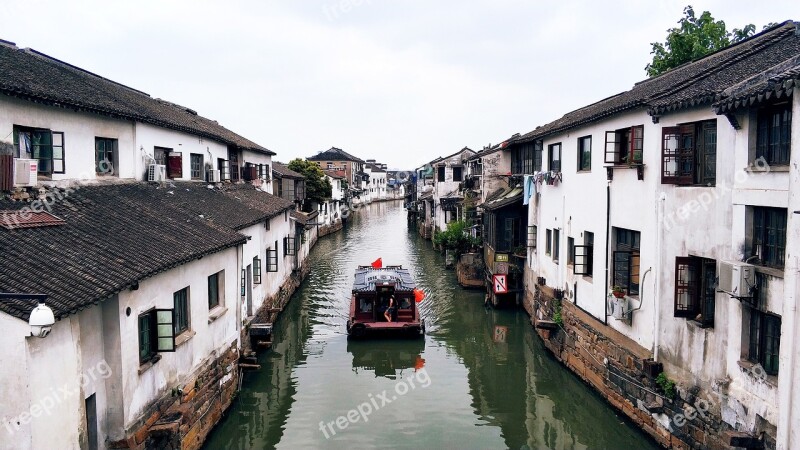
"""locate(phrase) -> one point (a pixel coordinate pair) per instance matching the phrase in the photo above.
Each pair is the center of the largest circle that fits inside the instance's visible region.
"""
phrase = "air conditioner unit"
(156, 172)
(25, 172)
(212, 175)
(737, 279)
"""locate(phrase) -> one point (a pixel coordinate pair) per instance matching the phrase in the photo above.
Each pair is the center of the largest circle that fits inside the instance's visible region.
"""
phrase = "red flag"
(418, 295)
(419, 363)
(377, 264)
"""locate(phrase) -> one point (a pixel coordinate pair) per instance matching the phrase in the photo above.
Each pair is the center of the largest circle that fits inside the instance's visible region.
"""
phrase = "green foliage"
(456, 237)
(318, 187)
(557, 313)
(694, 38)
(666, 385)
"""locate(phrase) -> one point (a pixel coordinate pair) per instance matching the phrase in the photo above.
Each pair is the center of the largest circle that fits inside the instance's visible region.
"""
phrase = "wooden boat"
(372, 289)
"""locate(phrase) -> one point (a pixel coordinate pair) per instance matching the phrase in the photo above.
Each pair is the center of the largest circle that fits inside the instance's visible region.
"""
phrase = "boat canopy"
(367, 277)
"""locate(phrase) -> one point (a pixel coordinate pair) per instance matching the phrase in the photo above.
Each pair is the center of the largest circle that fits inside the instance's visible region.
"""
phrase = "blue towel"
(528, 188)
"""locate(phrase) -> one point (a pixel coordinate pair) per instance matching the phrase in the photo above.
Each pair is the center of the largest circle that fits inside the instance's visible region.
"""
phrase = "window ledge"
(183, 337)
(752, 168)
(216, 313)
(748, 368)
(146, 366)
(778, 273)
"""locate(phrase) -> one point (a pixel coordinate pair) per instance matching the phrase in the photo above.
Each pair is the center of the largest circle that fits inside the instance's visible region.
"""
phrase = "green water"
(479, 379)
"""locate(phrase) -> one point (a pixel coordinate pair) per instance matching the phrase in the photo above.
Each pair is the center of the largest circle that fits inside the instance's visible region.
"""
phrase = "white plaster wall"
(14, 384)
(252, 157)
(210, 338)
(80, 130)
(261, 239)
(495, 166)
(148, 137)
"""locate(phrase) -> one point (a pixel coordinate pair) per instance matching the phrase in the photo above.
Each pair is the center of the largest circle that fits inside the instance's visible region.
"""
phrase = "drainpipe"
(608, 243)
(657, 298)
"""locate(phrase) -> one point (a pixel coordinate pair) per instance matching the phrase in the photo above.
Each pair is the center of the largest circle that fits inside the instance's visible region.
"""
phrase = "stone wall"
(183, 417)
(624, 374)
(330, 229)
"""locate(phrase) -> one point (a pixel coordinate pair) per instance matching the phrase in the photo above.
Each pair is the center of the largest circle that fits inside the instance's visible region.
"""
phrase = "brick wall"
(615, 366)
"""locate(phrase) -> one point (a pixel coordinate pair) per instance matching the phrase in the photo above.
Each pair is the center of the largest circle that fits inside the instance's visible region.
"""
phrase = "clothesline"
(531, 182)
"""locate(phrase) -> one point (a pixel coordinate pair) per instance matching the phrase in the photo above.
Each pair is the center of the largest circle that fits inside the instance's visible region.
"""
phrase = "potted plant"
(618, 292)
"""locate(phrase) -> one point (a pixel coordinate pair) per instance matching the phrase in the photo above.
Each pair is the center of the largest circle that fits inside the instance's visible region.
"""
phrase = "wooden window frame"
(553, 163)
(570, 251)
(584, 165)
(533, 232)
(548, 245)
(272, 260)
(774, 134)
(215, 292)
(440, 175)
(689, 153)
(48, 163)
(556, 245)
(770, 222)
(196, 173)
(182, 311)
(160, 333)
(622, 149)
(625, 260)
(256, 270)
(289, 246)
(583, 255)
(764, 340)
(460, 173)
(106, 153)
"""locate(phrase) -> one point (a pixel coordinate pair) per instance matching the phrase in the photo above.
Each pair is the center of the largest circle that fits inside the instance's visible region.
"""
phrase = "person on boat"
(389, 313)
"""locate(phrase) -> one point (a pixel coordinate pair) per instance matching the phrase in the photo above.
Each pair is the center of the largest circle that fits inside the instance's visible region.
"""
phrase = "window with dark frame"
(527, 158)
(584, 255)
(224, 169)
(625, 260)
(689, 154)
(548, 244)
(214, 291)
(440, 174)
(196, 166)
(105, 151)
(695, 289)
(570, 251)
(554, 157)
(556, 245)
(532, 235)
(272, 259)
(44, 145)
(289, 247)
(624, 146)
(181, 308)
(156, 333)
(769, 235)
(458, 173)
(585, 154)
(764, 340)
(256, 270)
(774, 134)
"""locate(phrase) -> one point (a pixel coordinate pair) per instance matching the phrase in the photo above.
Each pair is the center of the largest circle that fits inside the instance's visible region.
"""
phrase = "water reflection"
(492, 384)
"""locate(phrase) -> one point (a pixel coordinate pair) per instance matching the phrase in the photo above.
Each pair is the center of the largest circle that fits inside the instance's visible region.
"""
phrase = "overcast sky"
(399, 81)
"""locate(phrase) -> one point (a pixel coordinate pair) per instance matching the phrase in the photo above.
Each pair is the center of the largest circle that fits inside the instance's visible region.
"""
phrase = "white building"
(449, 173)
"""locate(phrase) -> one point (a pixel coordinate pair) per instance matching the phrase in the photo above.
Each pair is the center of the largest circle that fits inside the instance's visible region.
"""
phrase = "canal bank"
(491, 383)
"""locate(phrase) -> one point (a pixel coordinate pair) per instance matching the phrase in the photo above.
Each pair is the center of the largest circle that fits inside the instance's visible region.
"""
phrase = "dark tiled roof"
(502, 198)
(282, 170)
(337, 174)
(34, 76)
(334, 154)
(114, 236)
(697, 83)
(775, 83)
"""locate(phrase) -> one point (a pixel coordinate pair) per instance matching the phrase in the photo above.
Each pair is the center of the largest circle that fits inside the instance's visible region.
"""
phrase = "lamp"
(41, 319)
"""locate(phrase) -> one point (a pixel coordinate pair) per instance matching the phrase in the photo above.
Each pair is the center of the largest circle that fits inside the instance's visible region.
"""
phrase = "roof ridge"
(39, 54)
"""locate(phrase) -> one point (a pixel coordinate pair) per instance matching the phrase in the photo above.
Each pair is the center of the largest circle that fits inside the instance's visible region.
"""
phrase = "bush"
(456, 237)
(666, 385)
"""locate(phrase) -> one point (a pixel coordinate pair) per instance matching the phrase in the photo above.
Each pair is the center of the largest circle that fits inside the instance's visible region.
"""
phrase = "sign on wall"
(501, 257)
(501, 268)
(500, 283)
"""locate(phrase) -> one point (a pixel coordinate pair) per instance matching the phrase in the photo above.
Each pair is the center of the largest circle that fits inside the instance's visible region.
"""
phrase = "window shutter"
(165, 331)
(612, 147)
(257, 270)
(58, 152)
(272, 260)
(243, 281)
(687, 284)
(636, 145)
(621, 268)
(686, 148)
(583, 259)
(532, 234)
(669, 155)
(175, 165)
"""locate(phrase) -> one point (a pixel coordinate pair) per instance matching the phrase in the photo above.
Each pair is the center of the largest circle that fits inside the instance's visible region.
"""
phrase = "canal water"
(479, 379)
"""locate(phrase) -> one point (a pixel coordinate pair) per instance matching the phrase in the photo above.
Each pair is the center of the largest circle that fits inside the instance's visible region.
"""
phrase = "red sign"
(500, 283)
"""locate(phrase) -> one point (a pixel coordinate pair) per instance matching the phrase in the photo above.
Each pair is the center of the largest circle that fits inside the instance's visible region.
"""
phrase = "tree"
(318, 187)
(694, 38)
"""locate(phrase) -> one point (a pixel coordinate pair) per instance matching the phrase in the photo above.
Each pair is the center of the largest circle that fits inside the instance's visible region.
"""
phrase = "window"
(196, 166)
(105, 151)
(458, 174)
(570, 251)
(774, 135)
(624, 146)
(156, 334)
(554, 157)
(527, 158)
(532, 232)
(215, 289)
(224, 169)
(181, 300)
(556, 245)
(583, 255)
(440, 173)
(585, 154)
(626, 260)
(510, 234)
(257, 270)
(272, 259)
(695, 289)
(689, 154)
(42, 144)
(173, 161)
(548, 244)
(764, 340)
(769, 235)
(289, 248)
